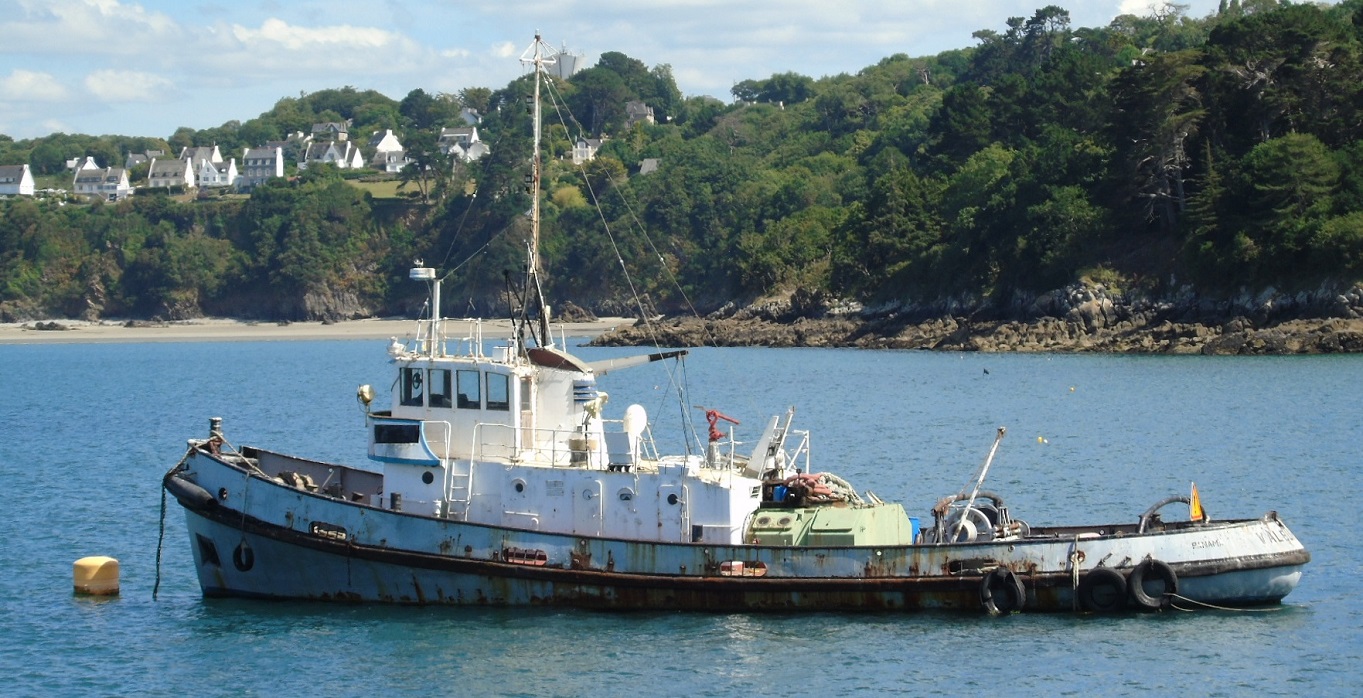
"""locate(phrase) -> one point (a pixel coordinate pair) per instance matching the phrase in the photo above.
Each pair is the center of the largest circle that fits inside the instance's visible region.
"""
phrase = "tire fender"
(1102, 590)
(1002, 592)
(1152, 569)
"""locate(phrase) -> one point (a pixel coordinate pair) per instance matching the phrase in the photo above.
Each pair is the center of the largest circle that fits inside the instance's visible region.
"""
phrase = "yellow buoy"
(96, 576)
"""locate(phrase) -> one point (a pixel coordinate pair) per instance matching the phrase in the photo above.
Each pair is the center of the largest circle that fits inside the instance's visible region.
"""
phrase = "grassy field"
(387, 189)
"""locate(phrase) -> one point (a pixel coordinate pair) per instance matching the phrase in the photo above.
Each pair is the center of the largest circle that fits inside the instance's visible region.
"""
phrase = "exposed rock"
(1076, 319)
(572, 312)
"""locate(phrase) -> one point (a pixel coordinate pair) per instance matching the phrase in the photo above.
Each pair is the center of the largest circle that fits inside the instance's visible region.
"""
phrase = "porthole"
(672, 499)
(626, 494)
(518, 485)
(785, 521)
(763, 520)
(588, 494)
(428, 477)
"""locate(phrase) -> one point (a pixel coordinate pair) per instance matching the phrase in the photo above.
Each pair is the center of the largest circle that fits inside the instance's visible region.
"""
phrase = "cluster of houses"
(330, 143)
(205, 166)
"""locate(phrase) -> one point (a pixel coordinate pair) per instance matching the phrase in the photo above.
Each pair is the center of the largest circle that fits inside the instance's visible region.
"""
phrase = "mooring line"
(1218, 608)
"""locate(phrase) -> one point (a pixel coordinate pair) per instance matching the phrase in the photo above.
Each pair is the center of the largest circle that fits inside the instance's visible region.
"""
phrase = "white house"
(638, 112)
(331, 131)
(475, 150)
(462, 143)
(78, 164)
(343, 154)
(165, 172)
(585, 149)
(219, 174)
(110, 183)
(389, 161)
(16, 180)
(135, 159)
(196, 156)
(389, 155)
(384, 141)
(259, 165)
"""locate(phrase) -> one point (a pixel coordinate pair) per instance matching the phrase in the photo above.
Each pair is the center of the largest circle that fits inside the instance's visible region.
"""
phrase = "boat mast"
(538, 56)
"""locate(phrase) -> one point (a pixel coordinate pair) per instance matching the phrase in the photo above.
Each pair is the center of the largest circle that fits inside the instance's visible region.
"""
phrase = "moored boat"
(501, 477)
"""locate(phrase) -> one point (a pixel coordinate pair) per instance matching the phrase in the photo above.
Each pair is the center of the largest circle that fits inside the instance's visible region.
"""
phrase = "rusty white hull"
(252, 536)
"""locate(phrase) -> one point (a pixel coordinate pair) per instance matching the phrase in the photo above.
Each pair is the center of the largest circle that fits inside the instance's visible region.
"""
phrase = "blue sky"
(145, 68)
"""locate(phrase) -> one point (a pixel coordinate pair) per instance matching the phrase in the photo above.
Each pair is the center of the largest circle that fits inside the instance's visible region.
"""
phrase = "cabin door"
(672, 514)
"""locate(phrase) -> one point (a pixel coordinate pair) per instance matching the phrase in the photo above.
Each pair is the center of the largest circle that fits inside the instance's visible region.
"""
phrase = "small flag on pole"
(1195, 512)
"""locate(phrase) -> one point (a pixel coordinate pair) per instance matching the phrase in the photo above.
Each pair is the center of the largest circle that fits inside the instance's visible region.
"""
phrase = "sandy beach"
(219, 330)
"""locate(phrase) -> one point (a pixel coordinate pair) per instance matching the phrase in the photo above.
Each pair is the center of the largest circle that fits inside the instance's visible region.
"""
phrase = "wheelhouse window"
(413, 389)
(396, 433)
(498, 391)
(438, 384)
(470, 395)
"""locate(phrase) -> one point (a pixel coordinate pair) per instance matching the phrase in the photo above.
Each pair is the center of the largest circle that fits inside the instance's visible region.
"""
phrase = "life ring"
(1102, 590)
(1135, 584)
(1002, 592)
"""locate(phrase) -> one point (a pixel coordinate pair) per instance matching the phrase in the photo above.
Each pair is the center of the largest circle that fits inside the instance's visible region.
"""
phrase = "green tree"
(1158, 108)
(476, 98)
(598, 100)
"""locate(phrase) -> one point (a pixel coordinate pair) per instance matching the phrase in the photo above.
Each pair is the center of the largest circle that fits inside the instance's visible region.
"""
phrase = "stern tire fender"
(1160, 570)
(1002, 592)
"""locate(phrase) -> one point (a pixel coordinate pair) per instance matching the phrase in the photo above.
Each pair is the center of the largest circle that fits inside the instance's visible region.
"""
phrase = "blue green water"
(87, 430)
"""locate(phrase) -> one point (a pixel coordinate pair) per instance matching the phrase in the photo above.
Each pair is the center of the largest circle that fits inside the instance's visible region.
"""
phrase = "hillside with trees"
(1160, 156)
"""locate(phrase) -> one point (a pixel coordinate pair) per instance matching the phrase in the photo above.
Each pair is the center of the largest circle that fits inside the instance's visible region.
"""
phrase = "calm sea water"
(86, 432)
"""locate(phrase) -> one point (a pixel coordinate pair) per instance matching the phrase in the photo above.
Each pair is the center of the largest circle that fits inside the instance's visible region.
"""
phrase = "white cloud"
(101, 27)
(30, 86)
(278, 50)
(129, 86)
(1140, 8)
(278, 32)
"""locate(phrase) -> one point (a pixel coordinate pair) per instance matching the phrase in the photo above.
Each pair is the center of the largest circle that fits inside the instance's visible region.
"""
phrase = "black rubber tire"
(1002, 592)
(243, 557)
(1102, 590)
(1152, 569)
